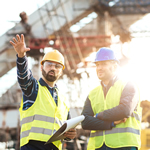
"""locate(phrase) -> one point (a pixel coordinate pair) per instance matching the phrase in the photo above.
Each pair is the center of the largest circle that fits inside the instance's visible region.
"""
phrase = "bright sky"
(9, 13)
(138, 68)
(10, 10)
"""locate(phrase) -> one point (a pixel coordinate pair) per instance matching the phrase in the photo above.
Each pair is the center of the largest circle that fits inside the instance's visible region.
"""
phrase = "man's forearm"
(92, 123)
(24, 75)
(117, 113)
(128, 102)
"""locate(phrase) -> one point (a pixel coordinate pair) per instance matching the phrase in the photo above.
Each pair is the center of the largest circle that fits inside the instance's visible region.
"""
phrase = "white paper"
(72, 123)
(68, 124)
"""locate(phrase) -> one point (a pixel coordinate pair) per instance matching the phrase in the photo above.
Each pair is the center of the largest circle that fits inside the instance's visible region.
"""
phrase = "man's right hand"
(120, 121)
(19, 45)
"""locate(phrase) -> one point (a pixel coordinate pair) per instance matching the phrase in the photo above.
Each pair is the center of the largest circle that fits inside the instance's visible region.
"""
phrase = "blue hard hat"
(104, 54)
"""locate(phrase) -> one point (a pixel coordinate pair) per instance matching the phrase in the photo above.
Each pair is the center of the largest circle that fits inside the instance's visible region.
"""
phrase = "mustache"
(51, 71)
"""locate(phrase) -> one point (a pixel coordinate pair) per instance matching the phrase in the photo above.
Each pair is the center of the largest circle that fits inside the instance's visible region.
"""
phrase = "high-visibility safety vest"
(43, 118)
(122, 135)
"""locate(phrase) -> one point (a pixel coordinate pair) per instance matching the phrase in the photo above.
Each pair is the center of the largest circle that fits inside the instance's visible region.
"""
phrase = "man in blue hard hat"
(112, 110)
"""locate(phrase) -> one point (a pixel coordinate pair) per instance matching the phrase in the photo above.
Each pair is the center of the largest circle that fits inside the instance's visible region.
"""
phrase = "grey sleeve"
(92, 123)
(128, 102)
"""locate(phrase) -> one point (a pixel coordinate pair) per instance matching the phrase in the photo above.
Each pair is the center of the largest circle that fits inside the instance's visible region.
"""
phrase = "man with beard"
(43, 108)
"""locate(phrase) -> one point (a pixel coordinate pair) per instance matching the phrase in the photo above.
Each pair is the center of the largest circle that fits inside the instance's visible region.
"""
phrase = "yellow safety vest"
(124, 134)
(43, 118)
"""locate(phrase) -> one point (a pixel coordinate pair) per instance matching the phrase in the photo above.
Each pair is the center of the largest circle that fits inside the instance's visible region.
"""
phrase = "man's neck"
(105, 83)
(51, 84)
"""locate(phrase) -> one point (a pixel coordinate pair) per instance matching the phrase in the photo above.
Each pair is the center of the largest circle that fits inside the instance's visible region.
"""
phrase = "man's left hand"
(71, 134)
(120, 121)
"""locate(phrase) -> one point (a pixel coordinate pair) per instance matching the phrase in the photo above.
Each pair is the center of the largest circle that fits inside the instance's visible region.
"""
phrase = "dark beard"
(48, 77)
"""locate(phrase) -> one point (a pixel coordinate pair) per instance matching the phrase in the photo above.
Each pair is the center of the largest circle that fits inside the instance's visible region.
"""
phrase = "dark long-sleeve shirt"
(128, 102)
(29, 87)
(29, 84)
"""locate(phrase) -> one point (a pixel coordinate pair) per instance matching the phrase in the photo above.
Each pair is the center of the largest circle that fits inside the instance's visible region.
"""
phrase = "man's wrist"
(21, 55)
(112, 124)
(96, 115)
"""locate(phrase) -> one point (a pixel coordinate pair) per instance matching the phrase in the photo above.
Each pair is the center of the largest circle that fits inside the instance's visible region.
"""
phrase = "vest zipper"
(104, 109)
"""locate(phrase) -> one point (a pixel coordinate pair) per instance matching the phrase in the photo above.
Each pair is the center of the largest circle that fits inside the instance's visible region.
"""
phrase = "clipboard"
(68, 124)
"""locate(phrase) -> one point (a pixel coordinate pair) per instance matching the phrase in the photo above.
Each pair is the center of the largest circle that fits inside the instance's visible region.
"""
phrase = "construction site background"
(77, 28)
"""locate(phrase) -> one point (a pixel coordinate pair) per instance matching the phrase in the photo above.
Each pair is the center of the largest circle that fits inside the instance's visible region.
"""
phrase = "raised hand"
(19, 45)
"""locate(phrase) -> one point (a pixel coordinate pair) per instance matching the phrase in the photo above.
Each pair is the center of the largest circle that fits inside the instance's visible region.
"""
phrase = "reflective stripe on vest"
(40, 122)
(116, 130)
(123, 130)
(37, 117)
(37, 130)
(97, 133)
(136, 116)
(40, 118)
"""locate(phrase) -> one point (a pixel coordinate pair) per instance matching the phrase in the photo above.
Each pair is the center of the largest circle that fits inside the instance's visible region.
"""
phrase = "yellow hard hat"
(55, 56)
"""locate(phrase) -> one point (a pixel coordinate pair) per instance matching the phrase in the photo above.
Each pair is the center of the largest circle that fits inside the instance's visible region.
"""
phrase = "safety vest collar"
(97, 133)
